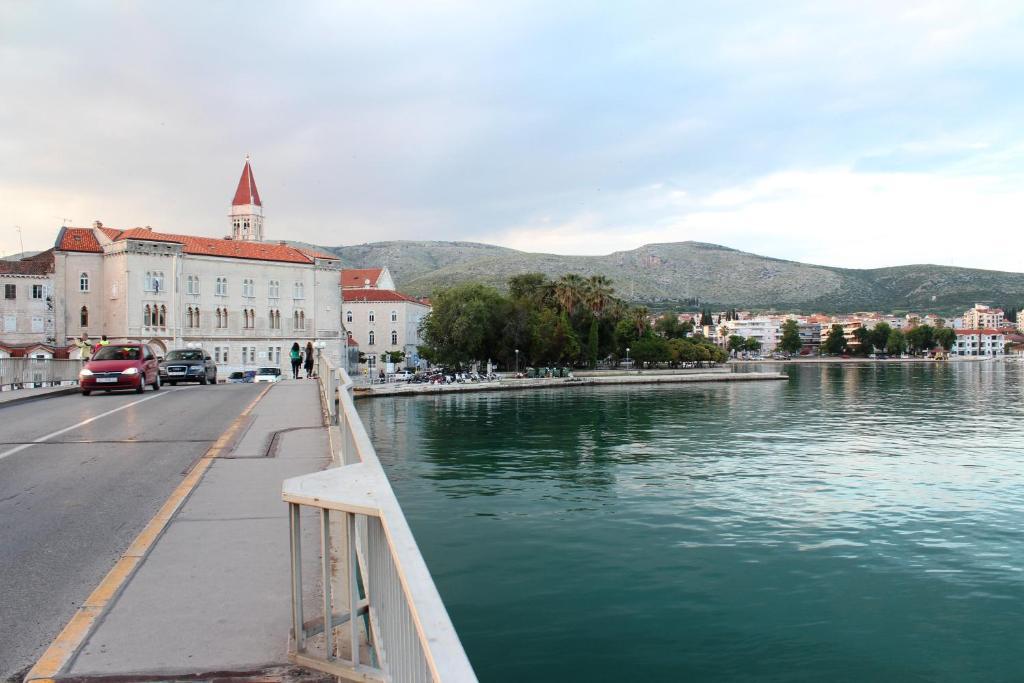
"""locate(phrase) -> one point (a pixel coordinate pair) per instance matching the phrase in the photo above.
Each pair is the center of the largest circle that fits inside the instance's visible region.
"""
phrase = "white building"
(983, 317)
(979, 342)
(764, 330)
(382, 320)
(242, 299)
(26, 304)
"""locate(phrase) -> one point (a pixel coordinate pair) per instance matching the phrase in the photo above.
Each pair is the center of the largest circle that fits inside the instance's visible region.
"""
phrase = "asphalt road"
(69, 506)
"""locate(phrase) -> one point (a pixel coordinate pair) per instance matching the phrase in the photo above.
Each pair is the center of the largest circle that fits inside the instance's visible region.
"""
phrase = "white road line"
(18, 449)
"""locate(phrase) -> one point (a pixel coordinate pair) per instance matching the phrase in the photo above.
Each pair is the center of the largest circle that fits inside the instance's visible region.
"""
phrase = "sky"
(856, 134)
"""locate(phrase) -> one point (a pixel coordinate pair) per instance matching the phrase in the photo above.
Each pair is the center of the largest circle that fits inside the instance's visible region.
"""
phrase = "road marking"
(70, 639)
(41, 439)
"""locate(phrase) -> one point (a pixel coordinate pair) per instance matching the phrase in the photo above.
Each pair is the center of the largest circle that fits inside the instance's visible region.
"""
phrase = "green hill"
(665, 275)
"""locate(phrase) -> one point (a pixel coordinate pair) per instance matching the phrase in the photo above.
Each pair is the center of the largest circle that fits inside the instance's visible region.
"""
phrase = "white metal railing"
(385, 619)
(22, 373)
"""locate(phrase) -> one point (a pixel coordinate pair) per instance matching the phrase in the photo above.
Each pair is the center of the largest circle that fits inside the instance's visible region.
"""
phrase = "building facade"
(383, 321)
(26, 304)
(242, 299)
(983, 317)
(979, 342)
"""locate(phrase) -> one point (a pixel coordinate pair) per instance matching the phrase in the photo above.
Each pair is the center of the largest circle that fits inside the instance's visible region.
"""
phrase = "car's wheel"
(202, 380)
(156, 383)
(214, 380)
(173, 382)
(86, 392)
(142, 384)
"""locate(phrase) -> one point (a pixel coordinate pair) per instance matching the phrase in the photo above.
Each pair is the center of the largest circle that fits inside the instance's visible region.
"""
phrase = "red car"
(120, 366)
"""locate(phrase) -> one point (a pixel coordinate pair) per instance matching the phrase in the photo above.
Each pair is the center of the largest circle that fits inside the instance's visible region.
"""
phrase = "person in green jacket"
(296, 356)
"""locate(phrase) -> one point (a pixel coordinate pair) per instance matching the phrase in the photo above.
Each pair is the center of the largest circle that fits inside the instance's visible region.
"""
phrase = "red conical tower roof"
(246, 192)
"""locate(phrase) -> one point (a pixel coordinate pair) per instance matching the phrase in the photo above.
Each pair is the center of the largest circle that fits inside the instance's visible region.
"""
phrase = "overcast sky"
(856, 134)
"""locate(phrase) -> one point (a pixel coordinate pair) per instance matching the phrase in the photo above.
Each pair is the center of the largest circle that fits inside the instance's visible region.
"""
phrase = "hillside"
(663, 275)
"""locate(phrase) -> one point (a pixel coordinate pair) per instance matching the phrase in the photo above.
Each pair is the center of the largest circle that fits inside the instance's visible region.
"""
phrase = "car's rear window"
(269, 371)
(118, 353)
(186, 354)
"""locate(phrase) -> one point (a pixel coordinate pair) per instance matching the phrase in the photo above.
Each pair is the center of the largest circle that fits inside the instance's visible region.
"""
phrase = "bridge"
(205, 532)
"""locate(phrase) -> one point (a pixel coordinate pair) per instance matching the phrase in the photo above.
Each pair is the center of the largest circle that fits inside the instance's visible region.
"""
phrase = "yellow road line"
(67, 642)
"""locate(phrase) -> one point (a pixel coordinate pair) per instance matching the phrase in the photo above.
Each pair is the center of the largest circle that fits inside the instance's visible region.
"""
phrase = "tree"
(864, 339)
(751, 344)
(896, 344)
(529, 287)
(639, 318)
(668, 326)
(592, 339)
(463, 325)
(569, 291)
(736, 343)
(921, 338)
(790, 341)
(880, 335)
(598, 293)
(650, 349)
(835, 341)
(946, 337)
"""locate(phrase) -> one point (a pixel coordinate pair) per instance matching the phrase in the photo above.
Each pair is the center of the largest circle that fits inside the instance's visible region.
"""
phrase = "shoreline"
(810, 361)
(559, 383)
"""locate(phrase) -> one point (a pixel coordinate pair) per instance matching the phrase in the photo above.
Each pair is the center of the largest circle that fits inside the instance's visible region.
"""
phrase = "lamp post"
(627, 355)
(517, 362)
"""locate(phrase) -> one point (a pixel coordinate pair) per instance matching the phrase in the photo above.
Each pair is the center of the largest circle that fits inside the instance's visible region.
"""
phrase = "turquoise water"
(857, 523)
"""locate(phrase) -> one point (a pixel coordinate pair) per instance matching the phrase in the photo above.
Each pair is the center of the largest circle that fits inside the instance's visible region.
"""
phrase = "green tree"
(592, 343)
(463, 325)
(864, 340)
(880, 335)
(669, 327)
(751, 344)
(650, 349)
(945, 337)
(896, 344)
(736, 343)
(835, 341)
(921, 338)
(569, 292)
(532, 287)
(790, 341)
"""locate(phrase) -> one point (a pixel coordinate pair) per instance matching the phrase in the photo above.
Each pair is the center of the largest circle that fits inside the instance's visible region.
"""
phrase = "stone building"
(27, 306)
(382, 320)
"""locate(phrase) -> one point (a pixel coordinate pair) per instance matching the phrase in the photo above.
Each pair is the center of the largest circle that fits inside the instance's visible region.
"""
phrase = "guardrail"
(22, 373)
(380, 617)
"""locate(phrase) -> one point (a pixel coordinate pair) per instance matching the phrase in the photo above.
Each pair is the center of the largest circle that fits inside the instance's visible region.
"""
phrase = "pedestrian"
(84, 347)
(309, 360)
(296, 356)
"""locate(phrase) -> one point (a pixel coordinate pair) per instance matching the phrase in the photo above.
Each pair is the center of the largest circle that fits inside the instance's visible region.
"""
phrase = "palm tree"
(638, 317)
(568, 292)
(598, 293)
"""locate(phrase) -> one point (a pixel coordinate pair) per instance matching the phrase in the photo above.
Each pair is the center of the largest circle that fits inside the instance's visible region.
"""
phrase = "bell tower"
(246, 208)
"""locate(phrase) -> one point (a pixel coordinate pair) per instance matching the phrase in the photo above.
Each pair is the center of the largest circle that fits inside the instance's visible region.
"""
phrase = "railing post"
(325, 553)
(294, 525)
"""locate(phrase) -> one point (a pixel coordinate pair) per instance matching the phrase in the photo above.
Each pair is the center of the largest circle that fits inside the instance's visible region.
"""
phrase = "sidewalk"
(211, 600)
(13, 396)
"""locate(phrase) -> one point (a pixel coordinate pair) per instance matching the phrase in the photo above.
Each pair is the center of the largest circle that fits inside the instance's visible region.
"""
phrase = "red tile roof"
(986, 331)
(357, 277)
(246, 192)
(375, 295)
(78, 239)
(83, 239)
(40, 264)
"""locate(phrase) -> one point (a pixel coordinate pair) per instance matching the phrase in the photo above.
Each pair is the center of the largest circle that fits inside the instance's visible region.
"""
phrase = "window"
(154, 281)
(37, 291)
(248, 287)
(162, 322)
(252, 354)
(302, 320)
(37, 324)
(371, 316)
(298, 291)
(10, 323)
(249, 318)
(348, 316)
(222, 318)
(394, 338)
(83, 316)
(147, 316)
(10, 291)
(394, 316)
(370, 343)
(274, 289)
(224, 354)
(222, 286)
(83, 282)
(192, 284)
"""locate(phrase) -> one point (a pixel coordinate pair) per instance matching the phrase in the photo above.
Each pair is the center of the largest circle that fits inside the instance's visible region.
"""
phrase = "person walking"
(296, 355)
(309, 360)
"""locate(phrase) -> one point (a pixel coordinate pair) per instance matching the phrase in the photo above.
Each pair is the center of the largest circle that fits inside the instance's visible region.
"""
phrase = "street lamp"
(517, 362)
(627, 355)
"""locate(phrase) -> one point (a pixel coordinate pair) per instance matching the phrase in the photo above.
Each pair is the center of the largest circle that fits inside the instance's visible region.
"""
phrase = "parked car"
(403, 376)
(268, 375)
(188, 365)
(237, 378)
(120, 366)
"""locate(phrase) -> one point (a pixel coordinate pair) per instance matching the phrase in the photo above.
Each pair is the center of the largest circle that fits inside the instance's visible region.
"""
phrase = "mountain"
(667, 275)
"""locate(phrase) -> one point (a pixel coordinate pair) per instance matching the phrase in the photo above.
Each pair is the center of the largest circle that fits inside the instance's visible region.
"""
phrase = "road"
(69, 506)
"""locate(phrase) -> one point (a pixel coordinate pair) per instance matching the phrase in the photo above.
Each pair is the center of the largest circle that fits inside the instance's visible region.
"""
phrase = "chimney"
(97, 224)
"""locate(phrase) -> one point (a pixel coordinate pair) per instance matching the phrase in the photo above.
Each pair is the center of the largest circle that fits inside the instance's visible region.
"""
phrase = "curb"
(66, 391)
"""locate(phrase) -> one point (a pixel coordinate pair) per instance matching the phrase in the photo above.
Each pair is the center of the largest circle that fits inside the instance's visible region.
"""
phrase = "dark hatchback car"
(120, 366)
(188, 365)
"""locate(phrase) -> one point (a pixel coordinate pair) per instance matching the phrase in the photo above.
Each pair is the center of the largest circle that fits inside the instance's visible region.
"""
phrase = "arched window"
(348, 316)
(370, 343)
(147, 316)
(394, 338)
(163, 317)
(84, 316)
(371, 316)
(394, 316)
(295, 320)
(302, 320)
(220, 319)
(83, 282)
